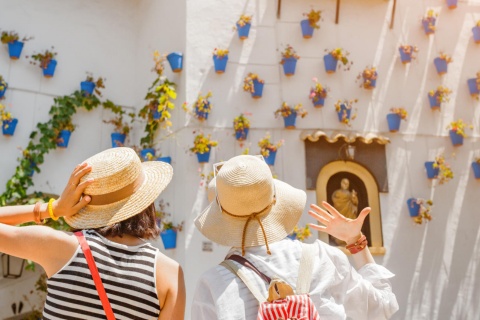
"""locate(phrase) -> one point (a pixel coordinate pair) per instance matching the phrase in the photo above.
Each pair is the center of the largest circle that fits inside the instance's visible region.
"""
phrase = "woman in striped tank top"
(110, 199)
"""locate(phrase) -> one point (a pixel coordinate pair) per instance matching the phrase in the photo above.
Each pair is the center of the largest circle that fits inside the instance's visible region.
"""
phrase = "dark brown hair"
(142, 225)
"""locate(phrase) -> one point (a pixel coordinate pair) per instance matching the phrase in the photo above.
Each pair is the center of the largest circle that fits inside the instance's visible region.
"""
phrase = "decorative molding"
(350, 138)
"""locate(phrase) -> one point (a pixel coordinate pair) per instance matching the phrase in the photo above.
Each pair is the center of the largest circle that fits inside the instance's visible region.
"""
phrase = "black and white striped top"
(128, 275)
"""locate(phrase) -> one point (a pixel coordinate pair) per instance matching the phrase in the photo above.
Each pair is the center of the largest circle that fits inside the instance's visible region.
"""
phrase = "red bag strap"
(95, 275)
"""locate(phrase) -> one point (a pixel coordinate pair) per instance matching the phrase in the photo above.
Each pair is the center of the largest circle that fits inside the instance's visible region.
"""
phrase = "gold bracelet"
(50, 209)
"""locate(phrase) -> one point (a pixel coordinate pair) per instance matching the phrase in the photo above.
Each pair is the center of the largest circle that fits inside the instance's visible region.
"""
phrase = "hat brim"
(278, 223)
(157, 175)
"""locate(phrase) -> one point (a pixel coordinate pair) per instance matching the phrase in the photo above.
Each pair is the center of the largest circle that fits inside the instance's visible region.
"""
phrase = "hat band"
(115, 196)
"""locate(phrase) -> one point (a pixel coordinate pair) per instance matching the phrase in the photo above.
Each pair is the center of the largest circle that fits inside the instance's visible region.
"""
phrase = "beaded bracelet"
(50, 209)
(358, 246)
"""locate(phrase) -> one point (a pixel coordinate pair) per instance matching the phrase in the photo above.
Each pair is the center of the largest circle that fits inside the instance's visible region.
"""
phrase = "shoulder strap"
(309, 252)
(244, 262)
(95, 275)
(233, 267)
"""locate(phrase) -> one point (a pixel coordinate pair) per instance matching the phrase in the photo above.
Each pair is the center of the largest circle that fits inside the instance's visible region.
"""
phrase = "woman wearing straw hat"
(253, 213)
(107, 269)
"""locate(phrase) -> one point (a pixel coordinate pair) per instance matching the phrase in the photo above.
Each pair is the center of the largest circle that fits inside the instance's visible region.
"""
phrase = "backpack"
(282, 303)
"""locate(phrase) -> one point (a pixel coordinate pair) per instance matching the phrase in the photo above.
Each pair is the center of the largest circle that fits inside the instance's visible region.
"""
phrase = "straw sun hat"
(122, 187)
(250, 207)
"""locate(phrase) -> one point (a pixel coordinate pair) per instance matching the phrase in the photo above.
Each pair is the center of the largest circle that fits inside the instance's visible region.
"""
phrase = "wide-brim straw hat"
(123, 186)
(244, 185)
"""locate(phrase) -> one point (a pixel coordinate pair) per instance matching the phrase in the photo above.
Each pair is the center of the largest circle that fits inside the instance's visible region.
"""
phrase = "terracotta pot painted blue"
(457, 139)
(257, 89)
(49, 71)
(441, 65)
(476, 34)
(270, 160)
(2, 92)
(175, 59)
(426, 26)
(330, 63)
(452, 4)
(342, 109)
(8, 127)
(318, 102)
(15, 49)
(432, 172)
(32, 171)
(63, 138)
(202, 115)
(243, 31)
(307, 30)
(165, 159)
(241, 135)
(434, 101)
(405, 57)
(118, 139)
(394, 121)
(472, 87)
(203, 157)
(476, 169)
(289, 66)
(372, 84)
(220, 64)
(290, 121)
(156, 114)
(144, 153)
(169, 238)
(413, 207)
(87, 87)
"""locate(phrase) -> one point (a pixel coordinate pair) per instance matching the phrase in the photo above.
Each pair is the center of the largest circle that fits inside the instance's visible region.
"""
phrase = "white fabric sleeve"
(203, 306)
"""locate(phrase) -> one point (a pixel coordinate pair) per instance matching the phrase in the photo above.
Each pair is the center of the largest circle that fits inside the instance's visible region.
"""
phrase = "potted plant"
(436, 97)
(476, 167)
(253, 84)
(441, 63)
(8, 123)
(476, 32)
(220, 59)
(241, 124)
(474, 86)
(407, 53)
(419, 209)
(311, 23)
(290, 114)
(175, 59)
(243, 26)
(15, 45)
(318, 93)
(121, 128)
(147, 153)
(452, 4)
(63, 133)
(168, 230)
(332, 57)
(428, 22)
(203, 107)
(457, 131)
(269, 150)
(89, 85)
(369, 77)
(289, 60)
(202, 146)
(46, 61)
(300, 234)
(439, 169)
(394, 118)
(3, 87)
(344, 111)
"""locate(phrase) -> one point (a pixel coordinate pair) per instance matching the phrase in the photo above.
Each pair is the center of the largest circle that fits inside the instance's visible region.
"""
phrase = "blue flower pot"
(393, 120)
(413, 207)
(372, 83)
(203, 157)
(452, 4)
(144, 153)
(50, 69)
(175, 59)
(32, 171)
(241, 135)
(165, 159)
(406, 58)
(476, 169)
(270, 160)
(87, 87)
(289, 65)
(15, 49)
(342, 109)
(2, 92)
(330, 63)
(8, 127)
(432, 172)
(243, 31)
(156, 114)
(169, 238)
(63, 138)
(292, 236)
(202, 115)
(220, 64)
(307, 30)
(434, 101)
(472, 87)
(426, 25)
(257, 89)
(457, 140)
(118, 139)
(476, 34)
(290, 121)
(318, 102)
(441, 65)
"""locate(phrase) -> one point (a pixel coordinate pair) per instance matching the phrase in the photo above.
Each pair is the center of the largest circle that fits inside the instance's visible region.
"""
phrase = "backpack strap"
(309, 252)
(233, 267)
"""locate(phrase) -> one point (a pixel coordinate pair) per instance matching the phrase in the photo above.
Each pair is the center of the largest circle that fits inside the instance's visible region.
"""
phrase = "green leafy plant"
(43, 58)
(248, 82)
(12, 36)
(163, 218)
(119, 124)
(341, 55)
(285, 110)
(201, 106)
(203, 144)
(314, 17)
(459, 127)
(99, 83)
(241, 122)
(266, 146)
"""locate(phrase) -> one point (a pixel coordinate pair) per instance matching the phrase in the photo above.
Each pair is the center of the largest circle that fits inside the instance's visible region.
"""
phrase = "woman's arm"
(170, 288)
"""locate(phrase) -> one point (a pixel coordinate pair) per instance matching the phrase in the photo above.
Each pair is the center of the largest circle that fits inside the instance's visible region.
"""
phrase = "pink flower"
(315, 79)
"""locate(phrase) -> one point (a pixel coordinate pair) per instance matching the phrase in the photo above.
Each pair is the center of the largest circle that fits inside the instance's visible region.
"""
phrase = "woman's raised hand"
(337, 225)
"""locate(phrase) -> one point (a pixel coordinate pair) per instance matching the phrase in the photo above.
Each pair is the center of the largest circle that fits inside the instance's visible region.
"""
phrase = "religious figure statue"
(344, 201)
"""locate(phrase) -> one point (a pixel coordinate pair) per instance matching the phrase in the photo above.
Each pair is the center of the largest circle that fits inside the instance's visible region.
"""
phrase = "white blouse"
(337, 289)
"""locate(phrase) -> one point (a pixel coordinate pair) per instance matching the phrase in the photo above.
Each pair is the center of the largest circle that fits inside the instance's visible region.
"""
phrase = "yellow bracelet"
(50, 209)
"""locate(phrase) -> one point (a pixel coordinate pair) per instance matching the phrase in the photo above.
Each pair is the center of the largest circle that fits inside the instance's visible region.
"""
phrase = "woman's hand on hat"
(336, 224)
(71, 200)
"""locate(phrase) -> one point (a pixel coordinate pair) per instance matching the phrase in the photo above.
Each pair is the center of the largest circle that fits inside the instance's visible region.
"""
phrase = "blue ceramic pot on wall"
(394, 121)
(15, 49)
(87, 87)
(63, 138)
(118, 139)
(8, 127)
(169, 238)
(49, 71)
(203, 157)
(307, 30)
(175, 59)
